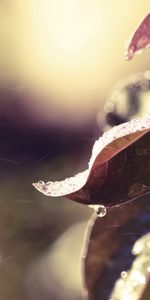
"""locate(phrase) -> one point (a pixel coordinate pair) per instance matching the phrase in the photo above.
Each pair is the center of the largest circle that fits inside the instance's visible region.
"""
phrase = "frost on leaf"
(140, 38)
(119, 168)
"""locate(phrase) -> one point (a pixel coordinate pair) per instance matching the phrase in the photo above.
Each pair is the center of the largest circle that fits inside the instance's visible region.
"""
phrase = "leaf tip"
(40, 186)
(129, 53)
(140, 39)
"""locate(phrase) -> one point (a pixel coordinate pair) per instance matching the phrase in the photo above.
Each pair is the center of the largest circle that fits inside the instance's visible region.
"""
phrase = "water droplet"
(129, 53)
(41, 182)
(100, 210)
(124, 274)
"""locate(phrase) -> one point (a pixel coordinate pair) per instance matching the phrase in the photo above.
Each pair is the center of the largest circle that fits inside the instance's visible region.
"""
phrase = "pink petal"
(140, 38)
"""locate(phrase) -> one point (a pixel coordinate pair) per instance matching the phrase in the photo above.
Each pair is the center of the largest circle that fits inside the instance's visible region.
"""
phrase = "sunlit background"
(74, 50)
(59, 61)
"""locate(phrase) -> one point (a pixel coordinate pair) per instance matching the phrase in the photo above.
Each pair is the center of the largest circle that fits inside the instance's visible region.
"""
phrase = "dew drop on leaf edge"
(100, 210)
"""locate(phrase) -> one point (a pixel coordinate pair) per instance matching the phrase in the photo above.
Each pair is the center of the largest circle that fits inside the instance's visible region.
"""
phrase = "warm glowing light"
(74, 22)
(69, 35)
(74, 49)
(75, 43)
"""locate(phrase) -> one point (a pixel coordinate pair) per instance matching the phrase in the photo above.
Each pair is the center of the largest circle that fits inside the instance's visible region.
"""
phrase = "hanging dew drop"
(100, 210)
(129, 53)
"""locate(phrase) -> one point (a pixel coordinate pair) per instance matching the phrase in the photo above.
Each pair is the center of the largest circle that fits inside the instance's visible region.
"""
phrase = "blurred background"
(63, 81)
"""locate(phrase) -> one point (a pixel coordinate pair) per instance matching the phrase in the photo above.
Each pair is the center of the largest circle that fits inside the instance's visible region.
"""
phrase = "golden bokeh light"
(74, 49)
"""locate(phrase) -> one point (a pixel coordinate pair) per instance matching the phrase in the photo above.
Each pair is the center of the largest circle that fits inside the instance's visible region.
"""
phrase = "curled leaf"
(119, 169)
(140, 38)
(110, 248)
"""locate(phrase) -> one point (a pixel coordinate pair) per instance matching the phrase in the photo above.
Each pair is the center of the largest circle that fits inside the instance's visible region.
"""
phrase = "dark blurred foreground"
(36, 144)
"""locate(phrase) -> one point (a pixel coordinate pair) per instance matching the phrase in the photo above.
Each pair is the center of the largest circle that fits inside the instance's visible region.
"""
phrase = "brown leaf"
(140, 38)
(109, 244)
(119, 169)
